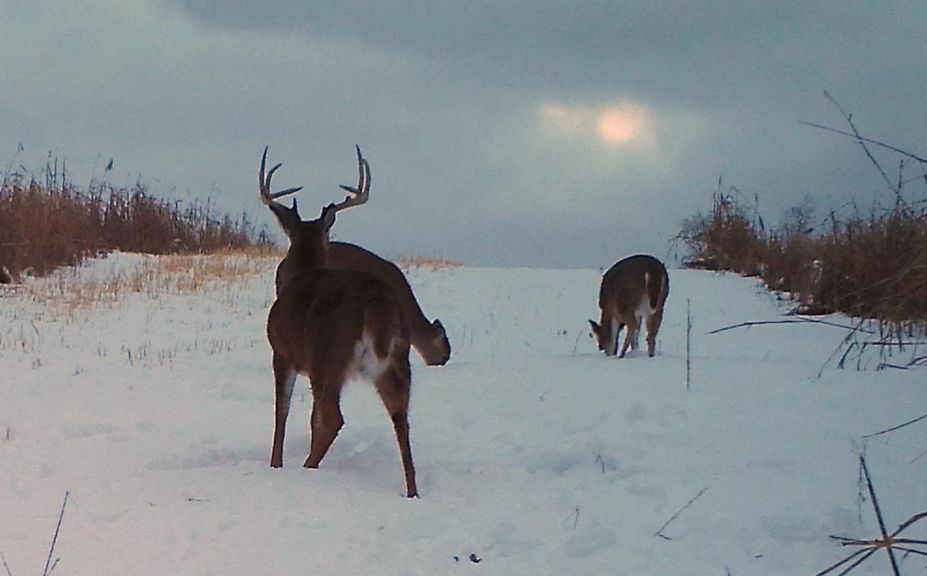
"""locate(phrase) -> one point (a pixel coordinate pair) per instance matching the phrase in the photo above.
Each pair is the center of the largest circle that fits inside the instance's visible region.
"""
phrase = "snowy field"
(535, 453)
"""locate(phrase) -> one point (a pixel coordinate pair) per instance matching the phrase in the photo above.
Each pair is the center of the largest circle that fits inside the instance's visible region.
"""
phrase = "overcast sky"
(519, 132)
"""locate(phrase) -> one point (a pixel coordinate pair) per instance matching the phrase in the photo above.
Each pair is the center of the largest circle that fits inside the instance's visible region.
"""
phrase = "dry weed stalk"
(888, 542)
(49, 565)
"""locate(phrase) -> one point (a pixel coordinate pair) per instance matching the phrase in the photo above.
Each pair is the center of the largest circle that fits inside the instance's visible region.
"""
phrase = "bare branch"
(893, 428)
(887, 542)
(913, 519)
(5, 565)
(870, 141)
(832, 567)
(51, 549)
(878, 511)
(862, 143)
(676, 515)
(789, 321)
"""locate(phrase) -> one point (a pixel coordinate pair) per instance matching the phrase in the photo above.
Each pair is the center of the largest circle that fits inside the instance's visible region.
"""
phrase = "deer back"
(632, 279)
(320, 316)
(429, 338)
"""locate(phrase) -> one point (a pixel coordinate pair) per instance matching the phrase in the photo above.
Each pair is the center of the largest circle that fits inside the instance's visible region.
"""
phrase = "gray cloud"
(446, 100)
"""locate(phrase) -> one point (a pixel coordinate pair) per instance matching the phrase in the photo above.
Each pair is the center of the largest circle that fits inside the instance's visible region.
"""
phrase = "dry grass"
(726, 238)
(433, 263)
(871, 267)
(69, 290)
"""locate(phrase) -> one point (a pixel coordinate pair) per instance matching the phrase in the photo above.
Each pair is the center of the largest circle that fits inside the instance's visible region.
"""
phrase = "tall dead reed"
(47, 222)
(871, 265)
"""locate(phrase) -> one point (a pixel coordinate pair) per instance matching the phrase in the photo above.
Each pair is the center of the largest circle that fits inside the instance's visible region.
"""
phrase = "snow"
(535, 453)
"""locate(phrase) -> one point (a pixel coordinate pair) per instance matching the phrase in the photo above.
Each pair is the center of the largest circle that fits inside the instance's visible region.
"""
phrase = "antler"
(268, 197)
(361, 193)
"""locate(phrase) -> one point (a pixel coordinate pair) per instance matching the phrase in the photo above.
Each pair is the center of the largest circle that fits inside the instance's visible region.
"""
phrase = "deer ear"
(287, 217)
(595, 327)
(295, 209)
(327, 218)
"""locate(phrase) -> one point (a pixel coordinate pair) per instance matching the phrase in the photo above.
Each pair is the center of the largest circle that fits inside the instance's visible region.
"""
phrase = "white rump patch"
(366, 363)
(644, 311)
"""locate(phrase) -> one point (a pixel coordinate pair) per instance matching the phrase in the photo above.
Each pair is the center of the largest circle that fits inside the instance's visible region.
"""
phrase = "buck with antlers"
(633, 292)
(428, 337)
(331, 325)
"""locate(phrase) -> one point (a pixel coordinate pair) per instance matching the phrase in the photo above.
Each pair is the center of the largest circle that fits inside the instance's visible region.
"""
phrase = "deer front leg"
(631, 335)
(284, 378)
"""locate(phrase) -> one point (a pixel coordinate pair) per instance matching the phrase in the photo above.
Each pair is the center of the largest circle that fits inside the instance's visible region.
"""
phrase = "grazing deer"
(428, 338)
(331, 325)
(634, 290)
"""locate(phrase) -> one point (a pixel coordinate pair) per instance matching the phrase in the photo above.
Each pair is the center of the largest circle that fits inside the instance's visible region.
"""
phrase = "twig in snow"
(858, 327)
(787, 321)
(915, 362)
(576, 342)
(5, 565)
(918, 457)
(676, 515)
(688, 344)
(893, 428)
(888, 542)
(48, 565)
(543, 396)
(574, 515)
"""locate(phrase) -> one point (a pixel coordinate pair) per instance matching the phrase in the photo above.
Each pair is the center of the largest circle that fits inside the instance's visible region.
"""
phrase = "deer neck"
(301, 258)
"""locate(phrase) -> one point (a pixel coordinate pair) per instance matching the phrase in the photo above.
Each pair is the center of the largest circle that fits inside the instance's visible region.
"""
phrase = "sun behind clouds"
(620, 123)
(623, 123)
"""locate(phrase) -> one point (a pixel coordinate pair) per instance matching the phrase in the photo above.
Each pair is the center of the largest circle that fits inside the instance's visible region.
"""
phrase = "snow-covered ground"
(535, 453)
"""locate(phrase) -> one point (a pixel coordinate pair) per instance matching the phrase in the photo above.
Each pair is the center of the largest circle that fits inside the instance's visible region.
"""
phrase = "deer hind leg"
(325, 422)
(284, 379)
(637, 333)
(653, 326)
(631, 336)
(394, 389)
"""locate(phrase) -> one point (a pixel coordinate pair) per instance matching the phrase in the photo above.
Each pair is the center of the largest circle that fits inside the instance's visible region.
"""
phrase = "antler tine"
(361, 192)
(268, 197)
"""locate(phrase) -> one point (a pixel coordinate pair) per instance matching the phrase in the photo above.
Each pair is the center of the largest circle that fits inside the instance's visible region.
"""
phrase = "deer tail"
(654, 287)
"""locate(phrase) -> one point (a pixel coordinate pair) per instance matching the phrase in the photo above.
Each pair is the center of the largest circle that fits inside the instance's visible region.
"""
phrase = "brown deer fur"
(428, 338)
(331, 325)
(633, 291)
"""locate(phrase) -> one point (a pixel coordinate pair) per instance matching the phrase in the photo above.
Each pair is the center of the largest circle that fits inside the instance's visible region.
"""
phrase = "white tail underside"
(366, 363)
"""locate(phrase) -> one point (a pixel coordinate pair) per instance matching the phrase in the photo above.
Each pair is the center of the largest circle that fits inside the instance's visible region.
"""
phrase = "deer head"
(309, 238)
